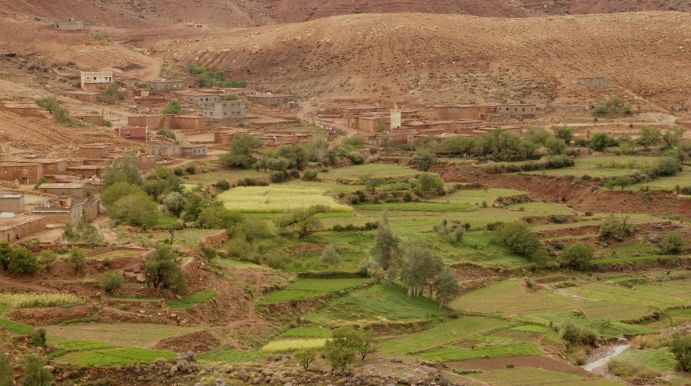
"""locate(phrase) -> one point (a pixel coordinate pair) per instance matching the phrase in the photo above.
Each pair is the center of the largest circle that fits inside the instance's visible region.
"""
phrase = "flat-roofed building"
(96, 80)
(11, 202)
(14, 227)
(194, 151)
(225, 110)
(94, 151)
(64, 189)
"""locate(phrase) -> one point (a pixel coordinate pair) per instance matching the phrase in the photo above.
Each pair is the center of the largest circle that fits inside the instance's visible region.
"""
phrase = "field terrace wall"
(686, 122)
(282, 101)
(173, 122)
(25, 109)
(70, 24)
(84, 96)
(19, 227)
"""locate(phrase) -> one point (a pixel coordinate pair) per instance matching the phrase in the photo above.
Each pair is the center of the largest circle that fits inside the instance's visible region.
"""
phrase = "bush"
(309, 175)
(600, 141)
(305, 357)
(38, 338)
(216, 216)
(616, 227)
(22, 261)
(664, 167)
(612, 106)
(429, 184)
(162, 269)
(167, 133)
(356, 158)
(681, 348)
(34, 374)
(6, 378)
(175, 203)
(578, 256)
(330, 257)
(77, 260)
(117, 191)
(59, 113)
(279, 176)
(519, 239)
(111, 281)
(575, 335)
(673, 244)
(565, 134)
(424, 159)
(136, 210)
(222, 185)
(340, 350)
(172, 107)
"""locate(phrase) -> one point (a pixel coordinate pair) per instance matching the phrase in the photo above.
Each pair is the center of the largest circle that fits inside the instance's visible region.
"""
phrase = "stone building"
(16, 227)
(94, 151)
(164, 85)
(135, 133)
(282, 101)
(97, 80)
(194, 151)
(74, 190)
(518, 110)
(225, 110)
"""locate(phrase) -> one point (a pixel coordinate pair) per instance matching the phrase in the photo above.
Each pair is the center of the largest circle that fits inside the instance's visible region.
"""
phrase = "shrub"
(518, 238)
(191, 169)
(222, 185)
(612, 106)
(309, 175)
(340, 350)
(38, 338)
(578, 256)
(565, 134)
(665, 166)
(34, 374)
(77, 260)
(616, 227)
(117, 191)
(681, 348)
(168, 133)
(424, 159)
(110, 281)
(6, 378)
(162, 269)
(575, 334)
(356, 158)
(241, 152)
(330, 257)
(59, 113)
(555, 146)
(428, 183)
(673, 244)
(175, 203)
(305, 357)
(600, 141)
(136, 210)
(22, 261)
(172, 107)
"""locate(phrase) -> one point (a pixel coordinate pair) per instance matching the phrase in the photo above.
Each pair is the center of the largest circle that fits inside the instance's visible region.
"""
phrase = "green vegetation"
(162, 269)
(207, 78)
(16, 327)
(307, 288)
(110, 281)
(172, 107)
(287, 345)
(277, 198)
(36, 300)
(34, 373)
(125, 356)
(59, 113)
(192, 300)
(538, 377)
(306, 332)
(612, 106)
(445, 354)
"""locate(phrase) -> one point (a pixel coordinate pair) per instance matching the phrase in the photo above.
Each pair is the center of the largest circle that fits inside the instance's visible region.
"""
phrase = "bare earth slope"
(457, 58)
(233, 13)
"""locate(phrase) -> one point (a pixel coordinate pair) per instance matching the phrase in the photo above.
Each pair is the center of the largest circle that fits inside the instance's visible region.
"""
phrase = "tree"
(616, 227)
(175, 203)
(136, 210)
(216, 216)
(22, 261)
(77, 260)
(666, 167)
(110, 281)
(330, 257)
(372, 182)
(424, 159)
(600, 141)
(364, 343)
(446, 287)
(6, 378)
(419, 268)
(538, 135)
(681, 348)
(126, 169)
(162, 181)
(555, 146)
(162, 269)
(59, 113)
(385, 249)
(304, 357)
(519, 239)
(649, 136)
(621, 181)
(673, 137)
(340, 350)
(34, 374)
(578, 256)
(241, 152)
(301, 221)
(673, 244)
(565, 134)
(5, 251)
(117, 191)
(428, 183)
(173, 107)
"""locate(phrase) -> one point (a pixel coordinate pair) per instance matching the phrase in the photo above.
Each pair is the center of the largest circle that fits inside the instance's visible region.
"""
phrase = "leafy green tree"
(578, 256)
(364, 343)
(600, 141)
(538, 135)
(137, 210)
(117, 191)
(301, 221)
(446, 287)
(296, 155)
(77, 260)
(110, 281)
(38, 338)
(84, 232)
(173, 107)
(673, 244)
(372, 182)
(175, 203)
(649, 136)
(565, 134)
(34, 374)
(59, 113)
(616, 227)
(519, 239)
(621, 181)
(340, 350)
(428, 184)
(22, 261)
(666, 167)
(419, 268)
(424, 159)
(162, 181)
(126, 169)
(673, 137)
(330, 257)
(5, 252)
(241, 153)
(681, 348)
(555, 146)
(385, 249)
(6, 378)
(162, 269)
(216, 216)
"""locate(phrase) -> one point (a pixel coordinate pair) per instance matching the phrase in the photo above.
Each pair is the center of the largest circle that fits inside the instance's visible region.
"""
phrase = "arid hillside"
(235, 13)
(446, 58)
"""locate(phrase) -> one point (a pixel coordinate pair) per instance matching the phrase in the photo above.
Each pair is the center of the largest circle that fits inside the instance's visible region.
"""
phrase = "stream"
(597, 360)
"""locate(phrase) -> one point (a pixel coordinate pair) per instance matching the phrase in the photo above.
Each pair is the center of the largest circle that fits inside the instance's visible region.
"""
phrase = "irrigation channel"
(597, 360)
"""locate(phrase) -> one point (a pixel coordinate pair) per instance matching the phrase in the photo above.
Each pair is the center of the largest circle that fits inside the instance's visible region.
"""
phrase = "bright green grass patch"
(532, 328)
(16, 327)
(277, 198)
(538, 377)
(378, 304)
(118, 334)
(306, 332)
(230, 356)
(423, 206)
(602, 166)
(164, 221)
(32, 300)
(192, 300)
(446, 354)
(354, 173)
(65, 347)
(452, 331)
(475, 197)
(607, 329)
(308, 288)
(230, 175)
(115, 357)
(660, 359)
(284, 345)
(667, 183)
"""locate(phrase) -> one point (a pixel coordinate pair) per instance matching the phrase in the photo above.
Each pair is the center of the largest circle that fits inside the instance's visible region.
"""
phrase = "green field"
(277, 198)
(285, 345)
(192, 300)
(118, 334)
(230, 175)
(538, 377)
(602, 166)
(16, 327)
(114, 357)
(354, 173)
(306, 332)
(667, 183)
(447, 354)
(308, 288)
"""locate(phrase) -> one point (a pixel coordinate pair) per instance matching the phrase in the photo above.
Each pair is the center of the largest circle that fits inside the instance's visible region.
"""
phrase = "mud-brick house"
(134, 133)
(16, 227)
(87, 171)
(11, 202)
(194, 151)
(164, 85)
(66, 189)
(52, 166)
(163, 149)
(94, 151)
(62, 210)
(225, 110)
(24, 172)
(281, 101)
(96, 80)
(518, 110)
